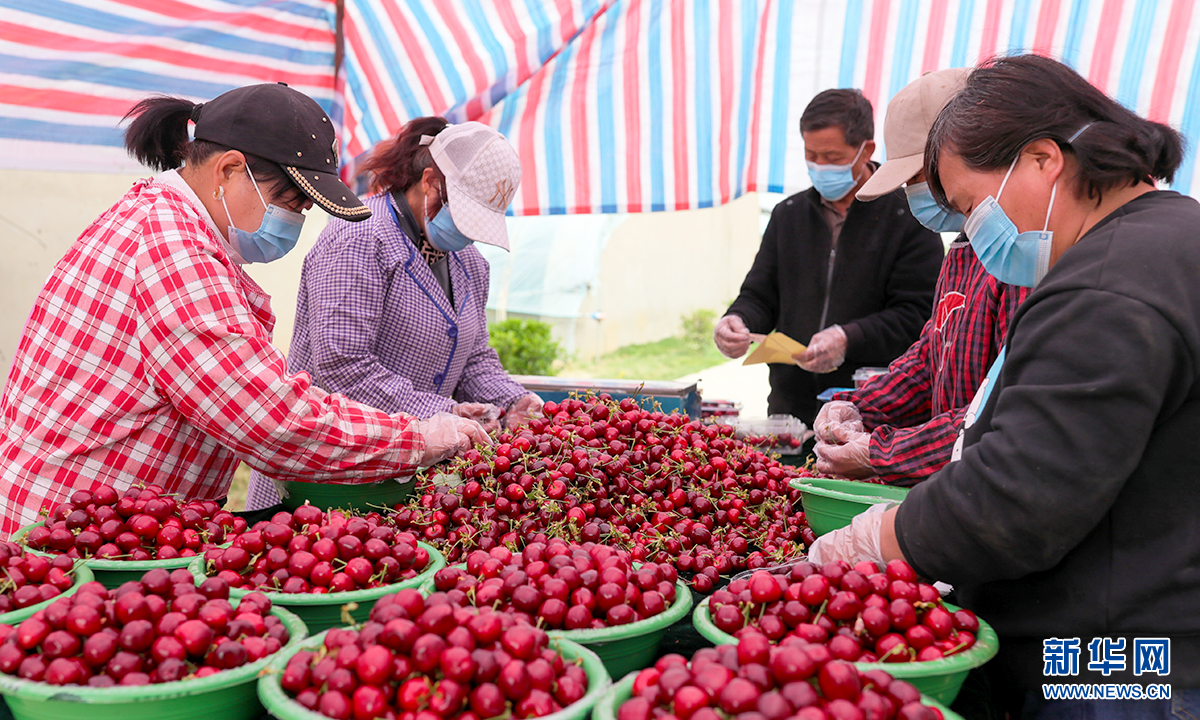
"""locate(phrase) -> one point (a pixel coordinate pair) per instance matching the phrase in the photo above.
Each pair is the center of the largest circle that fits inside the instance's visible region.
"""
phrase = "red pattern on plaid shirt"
(916, 409)
(148, 357)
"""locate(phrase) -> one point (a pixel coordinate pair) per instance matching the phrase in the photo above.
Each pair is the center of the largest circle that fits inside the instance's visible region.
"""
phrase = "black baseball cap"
(286, 127)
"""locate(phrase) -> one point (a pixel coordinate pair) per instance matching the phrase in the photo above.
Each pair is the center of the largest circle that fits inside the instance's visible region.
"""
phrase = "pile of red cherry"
(561, 585)
(665, 488)
(755, 680)
(159, 629)
(144, 523)
(428, 659)
(857, 614)
(312, 551)
(27, 579)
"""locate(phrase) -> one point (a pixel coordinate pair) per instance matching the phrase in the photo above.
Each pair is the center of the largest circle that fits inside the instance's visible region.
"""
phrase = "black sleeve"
(909, 299)
(1087, 376)
(758, 302)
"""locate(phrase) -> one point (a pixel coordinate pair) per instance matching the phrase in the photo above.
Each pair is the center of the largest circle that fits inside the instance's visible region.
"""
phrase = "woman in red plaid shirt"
(148, 354)
(902, 426)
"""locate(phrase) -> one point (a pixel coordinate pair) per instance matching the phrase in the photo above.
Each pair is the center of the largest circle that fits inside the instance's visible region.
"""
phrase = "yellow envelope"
(775, 348)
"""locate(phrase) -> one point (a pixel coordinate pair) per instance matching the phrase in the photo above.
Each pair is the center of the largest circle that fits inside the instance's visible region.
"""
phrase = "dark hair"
(1010, 102)
(158, 138)
(844, 108)
(399, 163)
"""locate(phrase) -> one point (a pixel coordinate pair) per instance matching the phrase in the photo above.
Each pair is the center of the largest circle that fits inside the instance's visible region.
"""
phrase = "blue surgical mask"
(834, 181)
(276, 234)
(1021, 259)
(927, 212)
(442, 233)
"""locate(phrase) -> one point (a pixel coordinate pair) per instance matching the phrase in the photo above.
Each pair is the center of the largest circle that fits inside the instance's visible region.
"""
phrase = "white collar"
(173, 179)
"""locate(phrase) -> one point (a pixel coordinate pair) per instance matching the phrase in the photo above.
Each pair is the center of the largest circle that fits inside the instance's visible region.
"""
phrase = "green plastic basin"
(228, 695)
(321, 612)
(623, 648)
(361, 497)
(606, 706)
(831, 504)
(112, 573)
(939, 679)
(82, 575)
(281, 706)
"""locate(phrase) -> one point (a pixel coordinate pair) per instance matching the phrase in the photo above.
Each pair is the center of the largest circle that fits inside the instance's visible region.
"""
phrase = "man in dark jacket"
(853, 280)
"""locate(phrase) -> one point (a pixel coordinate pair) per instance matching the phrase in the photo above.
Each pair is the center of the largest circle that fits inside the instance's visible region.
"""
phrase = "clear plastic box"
(783, 434)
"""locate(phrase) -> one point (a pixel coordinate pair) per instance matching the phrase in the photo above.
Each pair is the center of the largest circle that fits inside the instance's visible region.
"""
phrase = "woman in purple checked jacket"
(391, 311)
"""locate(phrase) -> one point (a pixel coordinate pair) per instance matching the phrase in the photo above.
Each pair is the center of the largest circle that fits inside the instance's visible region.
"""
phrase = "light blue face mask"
(1015, 258)
(834, 181)
(442, 233)
(276, 234)
(927, 212)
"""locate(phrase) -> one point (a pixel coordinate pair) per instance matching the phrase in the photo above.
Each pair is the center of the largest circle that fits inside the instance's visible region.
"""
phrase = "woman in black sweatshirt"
(1072, 511)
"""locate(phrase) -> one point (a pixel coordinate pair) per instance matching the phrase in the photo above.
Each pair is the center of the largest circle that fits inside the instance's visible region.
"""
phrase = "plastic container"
(939, 679)
(863, 374)
(228, 695)
(82, 575)
(280, 706)
(111, 573)
(624, 647)
(360, 497)
(321, 612)
(781, 434)
(832, 504)
(606, 706)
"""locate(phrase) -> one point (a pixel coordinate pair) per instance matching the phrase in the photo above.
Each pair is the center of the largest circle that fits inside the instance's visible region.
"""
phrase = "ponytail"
(158, 135)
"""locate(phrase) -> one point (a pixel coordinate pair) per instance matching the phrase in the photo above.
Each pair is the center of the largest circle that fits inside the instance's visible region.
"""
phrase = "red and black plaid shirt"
(915, 410)
(148, 357)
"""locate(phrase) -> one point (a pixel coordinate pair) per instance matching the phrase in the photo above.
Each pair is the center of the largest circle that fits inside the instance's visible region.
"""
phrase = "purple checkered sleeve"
(372, 323)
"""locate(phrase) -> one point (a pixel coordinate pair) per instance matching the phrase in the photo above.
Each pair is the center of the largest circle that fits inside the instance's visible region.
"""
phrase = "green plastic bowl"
(281, 706)
(361, 497)
(832, 504)
(939, 679)
(321, 612)
(82, 575)
(112, 573)
(623, 648)
(228, 695)
(606, 706)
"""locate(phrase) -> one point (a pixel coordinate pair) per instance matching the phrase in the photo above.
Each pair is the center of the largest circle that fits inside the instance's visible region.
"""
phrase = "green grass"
(662, 360)
(237, 491)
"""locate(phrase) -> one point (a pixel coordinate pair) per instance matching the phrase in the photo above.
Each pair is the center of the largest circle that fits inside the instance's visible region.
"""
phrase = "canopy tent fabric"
(71, 69)
(613, 105)
(1141, 52)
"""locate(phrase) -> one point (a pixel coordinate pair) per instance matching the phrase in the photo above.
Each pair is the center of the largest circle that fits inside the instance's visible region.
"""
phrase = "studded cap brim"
(328, 191)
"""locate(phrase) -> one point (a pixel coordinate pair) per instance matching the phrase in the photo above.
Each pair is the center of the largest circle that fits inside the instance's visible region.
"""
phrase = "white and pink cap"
(482, 174)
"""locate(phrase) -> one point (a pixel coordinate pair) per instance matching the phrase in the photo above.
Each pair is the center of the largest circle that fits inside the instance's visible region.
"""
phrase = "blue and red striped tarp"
(613, 105)
(70, 69)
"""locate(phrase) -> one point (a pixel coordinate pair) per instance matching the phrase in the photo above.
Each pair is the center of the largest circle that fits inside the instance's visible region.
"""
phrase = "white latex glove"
(447, 435)
(488, 416)
(522, 410)
(731, 336)
(848, 455)
(826, 351)
(860, 540)
(835, 413)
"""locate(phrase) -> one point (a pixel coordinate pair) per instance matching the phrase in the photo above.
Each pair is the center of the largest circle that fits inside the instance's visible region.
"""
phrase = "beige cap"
(482, 174)
(910, 115)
